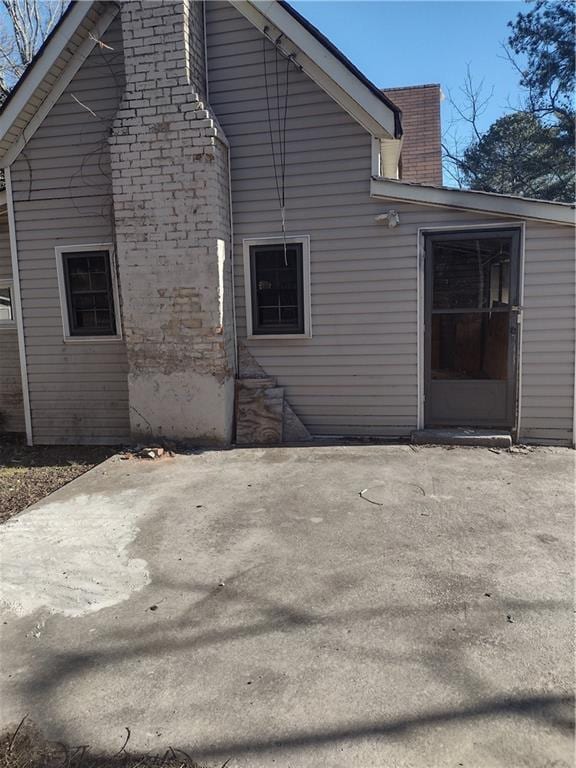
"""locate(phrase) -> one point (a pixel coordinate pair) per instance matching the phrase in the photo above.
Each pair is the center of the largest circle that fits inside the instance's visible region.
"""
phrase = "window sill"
(91, 339)
(265, 336)
(7, 325)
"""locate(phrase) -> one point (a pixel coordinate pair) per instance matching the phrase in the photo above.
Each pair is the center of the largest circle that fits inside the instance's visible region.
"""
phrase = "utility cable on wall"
(278, 135)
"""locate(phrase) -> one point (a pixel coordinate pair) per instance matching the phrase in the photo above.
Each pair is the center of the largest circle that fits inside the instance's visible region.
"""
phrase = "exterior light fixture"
(390, 218)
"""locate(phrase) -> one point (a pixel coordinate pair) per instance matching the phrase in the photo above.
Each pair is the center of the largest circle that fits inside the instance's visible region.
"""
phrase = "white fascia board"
(321, 66)
(79, 57)
(41, 68)
(470, 200)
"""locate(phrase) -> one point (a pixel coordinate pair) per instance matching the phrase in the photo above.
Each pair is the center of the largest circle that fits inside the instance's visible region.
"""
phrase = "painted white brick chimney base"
(171, 208)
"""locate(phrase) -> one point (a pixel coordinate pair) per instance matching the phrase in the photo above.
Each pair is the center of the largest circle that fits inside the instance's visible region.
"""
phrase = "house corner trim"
(18, 306)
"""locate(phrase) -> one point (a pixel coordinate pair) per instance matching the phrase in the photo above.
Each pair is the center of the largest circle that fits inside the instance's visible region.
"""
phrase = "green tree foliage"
(530, 152)
(520, 155)
(546, 36)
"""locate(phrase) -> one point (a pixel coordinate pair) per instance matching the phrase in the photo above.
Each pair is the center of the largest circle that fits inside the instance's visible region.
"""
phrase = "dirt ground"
(25, 747)
(29, 474)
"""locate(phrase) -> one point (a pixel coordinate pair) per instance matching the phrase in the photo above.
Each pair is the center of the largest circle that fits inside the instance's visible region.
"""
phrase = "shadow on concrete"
(180, 634)
(445, 658)
(554, 711)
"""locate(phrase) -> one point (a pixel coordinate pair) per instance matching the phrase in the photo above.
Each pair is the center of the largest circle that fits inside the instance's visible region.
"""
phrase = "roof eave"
(317, 56)
(325, 65)
(473, 201)
(40, 66)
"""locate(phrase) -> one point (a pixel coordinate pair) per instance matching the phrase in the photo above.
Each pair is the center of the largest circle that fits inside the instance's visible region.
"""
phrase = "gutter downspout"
(18, 306)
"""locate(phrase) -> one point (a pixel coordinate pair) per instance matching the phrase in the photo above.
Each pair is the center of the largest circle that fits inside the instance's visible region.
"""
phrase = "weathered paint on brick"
(170, 187)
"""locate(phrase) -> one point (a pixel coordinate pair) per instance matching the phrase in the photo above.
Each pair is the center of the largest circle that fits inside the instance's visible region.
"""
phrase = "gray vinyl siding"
(549, 334)
(11, 403)
(357, 375)
(62, 196)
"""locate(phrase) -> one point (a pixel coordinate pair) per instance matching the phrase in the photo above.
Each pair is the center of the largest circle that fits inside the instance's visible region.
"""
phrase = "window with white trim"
(6, 303)
(88, 292)
(277, 287)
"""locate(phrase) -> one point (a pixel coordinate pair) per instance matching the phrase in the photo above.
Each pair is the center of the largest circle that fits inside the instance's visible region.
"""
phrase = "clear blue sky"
(424, 41)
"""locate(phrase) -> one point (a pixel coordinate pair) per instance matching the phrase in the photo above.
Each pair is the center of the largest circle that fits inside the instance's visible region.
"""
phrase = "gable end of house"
(153, 165)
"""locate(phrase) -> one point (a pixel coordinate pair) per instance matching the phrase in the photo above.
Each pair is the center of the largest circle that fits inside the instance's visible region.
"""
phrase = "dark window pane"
(83, 301)
(472, 274)
(269, 316)
(89, 294)
(289, 297)
(470, 345)
(79, 281)
(277, 288)
(290, 314)
(98, 281)
(103, 319)
(101, 301)
(6, 312)
(85, 318)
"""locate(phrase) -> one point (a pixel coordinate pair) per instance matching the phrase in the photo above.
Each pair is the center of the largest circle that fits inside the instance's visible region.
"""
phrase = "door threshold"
(463, 436)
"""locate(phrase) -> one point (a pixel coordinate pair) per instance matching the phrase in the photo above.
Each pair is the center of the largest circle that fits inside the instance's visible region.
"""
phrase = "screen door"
(471, 328)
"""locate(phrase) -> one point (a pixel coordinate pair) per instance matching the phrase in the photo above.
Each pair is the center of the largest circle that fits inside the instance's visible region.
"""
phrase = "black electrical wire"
(279, 163)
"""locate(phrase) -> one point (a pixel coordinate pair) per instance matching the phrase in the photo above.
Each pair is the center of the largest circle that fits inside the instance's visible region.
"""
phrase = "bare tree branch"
(24, 25)
(475, 102)
(468, 108)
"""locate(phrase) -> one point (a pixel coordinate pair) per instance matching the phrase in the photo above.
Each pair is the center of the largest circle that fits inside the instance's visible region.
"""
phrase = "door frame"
(469, 226)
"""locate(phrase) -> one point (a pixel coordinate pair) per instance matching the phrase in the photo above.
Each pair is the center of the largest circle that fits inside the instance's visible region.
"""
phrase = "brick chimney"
(170, 193)
(421, 158)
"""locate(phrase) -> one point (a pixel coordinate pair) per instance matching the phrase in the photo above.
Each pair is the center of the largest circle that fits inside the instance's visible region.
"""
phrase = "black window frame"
(9, 321)
(74, 330)
(296, 328)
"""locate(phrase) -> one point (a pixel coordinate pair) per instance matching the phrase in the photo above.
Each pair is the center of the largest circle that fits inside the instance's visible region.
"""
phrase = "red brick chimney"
(421, 158)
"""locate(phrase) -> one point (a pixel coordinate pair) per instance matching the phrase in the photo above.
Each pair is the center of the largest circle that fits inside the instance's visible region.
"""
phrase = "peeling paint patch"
(70, 557)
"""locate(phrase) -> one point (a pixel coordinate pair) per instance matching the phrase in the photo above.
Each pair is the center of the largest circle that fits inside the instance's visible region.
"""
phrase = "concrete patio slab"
(330, 606)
